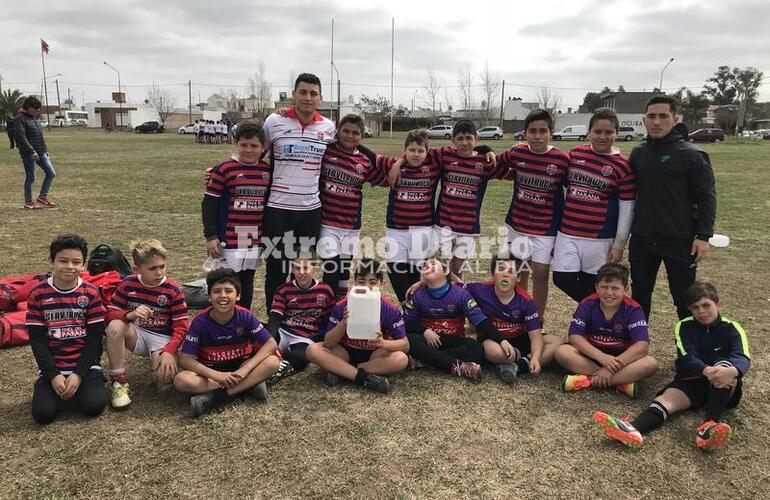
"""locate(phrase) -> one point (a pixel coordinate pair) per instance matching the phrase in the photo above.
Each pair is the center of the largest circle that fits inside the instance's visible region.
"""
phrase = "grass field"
(434, 436)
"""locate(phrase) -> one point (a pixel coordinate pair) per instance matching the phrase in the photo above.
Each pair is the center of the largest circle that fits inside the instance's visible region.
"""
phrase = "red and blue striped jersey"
(463, 183)
(242, 190)
(342, 178)
(167, 302)
(411, 201)
(305, 311)
(65, 315)
(595, 184)
(538, 189)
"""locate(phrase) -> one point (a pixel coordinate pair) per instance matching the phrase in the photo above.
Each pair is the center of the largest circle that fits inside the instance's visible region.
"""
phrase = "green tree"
(377, 107)
(721, 87)
(591, 102)
(692, 106)
(10, 102)
(746, 82)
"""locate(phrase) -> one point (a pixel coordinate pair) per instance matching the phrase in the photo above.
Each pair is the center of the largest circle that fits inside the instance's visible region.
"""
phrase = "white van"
(573, 132)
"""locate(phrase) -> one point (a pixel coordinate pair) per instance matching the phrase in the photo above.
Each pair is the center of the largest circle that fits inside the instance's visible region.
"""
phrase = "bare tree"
(447, 99)
(163, 101)
(547, 98)
(432, 88)
(232, 101)
(260, 93)
(490, 84)
(465, 82)
(377, 108)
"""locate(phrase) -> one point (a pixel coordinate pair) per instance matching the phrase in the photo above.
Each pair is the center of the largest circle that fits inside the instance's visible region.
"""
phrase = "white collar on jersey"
(139, 277)
(50, 282)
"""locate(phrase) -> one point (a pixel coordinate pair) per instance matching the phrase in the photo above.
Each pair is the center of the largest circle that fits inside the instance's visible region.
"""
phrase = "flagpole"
(45, 87)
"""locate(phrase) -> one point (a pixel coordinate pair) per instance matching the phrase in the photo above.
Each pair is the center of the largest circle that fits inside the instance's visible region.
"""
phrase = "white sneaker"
(120, 397)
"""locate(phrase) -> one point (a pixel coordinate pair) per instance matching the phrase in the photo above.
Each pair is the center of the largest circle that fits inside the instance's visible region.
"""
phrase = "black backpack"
(105, 258)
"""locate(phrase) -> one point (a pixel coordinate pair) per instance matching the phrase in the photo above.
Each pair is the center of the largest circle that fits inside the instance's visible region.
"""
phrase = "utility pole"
(58, 97)
(392, 63)
(189, 101)
(338, 102)
(502, 103)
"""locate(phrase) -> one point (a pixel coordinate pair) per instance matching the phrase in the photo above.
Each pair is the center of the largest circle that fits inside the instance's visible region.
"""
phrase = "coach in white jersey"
(297, 145)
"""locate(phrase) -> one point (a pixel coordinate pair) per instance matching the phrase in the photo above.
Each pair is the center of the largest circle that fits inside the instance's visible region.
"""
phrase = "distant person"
(28, 133)
(675, 207)
(9, 131)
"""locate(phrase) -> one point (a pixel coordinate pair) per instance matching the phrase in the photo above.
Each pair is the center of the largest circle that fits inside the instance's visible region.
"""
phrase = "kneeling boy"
(148, 316)
(227, 350)
(712, 358)
(365, 362)
(608, 338)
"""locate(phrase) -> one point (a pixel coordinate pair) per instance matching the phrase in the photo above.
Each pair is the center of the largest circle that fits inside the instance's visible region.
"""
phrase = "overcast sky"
(572, 46)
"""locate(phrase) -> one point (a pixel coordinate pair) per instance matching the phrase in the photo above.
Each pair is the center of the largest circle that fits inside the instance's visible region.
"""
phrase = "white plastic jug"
(363, 313)
(719, 241)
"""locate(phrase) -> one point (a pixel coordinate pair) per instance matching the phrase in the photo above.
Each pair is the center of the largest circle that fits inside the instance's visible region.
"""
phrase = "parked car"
(627, 134)
(519, 135)
(440, 132)
(490, 133)
(574, 132)
(150, 128)
(707, 135)
(186, 129)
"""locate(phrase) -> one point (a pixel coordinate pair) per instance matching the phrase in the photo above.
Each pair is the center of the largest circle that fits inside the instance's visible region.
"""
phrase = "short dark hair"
(419, 136)
(539, 114)
(701, 290)
(31, 102)
(604, 114)
(223, 275)
(354, 120)
(250, 130)
(368, 266)
(673, 104)
(307, 78)
(68, 241)
(613, 272)
(463, 127)
(505, 255)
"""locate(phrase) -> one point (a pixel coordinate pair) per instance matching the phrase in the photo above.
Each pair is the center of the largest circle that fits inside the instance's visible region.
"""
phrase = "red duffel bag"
(13, 329)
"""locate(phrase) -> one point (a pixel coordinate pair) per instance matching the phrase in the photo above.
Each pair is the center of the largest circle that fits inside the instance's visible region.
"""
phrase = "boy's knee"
(183, 381)
(94, 405)
(115, 328)
(564, 352)
(553, 340)
(313, 351)
(44, 414)
(649, 365)
(272, 362)
(401, 360)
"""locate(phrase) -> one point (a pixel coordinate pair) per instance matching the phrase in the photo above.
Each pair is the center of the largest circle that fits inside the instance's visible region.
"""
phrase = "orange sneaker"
(46, 202)
(711, 435)
(630, 389)
(616, 429)
(575, 383)
(32, 206)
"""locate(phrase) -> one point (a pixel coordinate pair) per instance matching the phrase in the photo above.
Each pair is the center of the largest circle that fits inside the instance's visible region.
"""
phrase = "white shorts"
(334, 241)
(241, 259)
(148, 342)
(409, 245)
(289, 339)
(531, 247)
(452, 244)
(572, 254)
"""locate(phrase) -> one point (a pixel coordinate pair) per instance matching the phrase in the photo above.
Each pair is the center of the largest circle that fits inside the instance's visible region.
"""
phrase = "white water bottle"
(719, 241)
(363, 313)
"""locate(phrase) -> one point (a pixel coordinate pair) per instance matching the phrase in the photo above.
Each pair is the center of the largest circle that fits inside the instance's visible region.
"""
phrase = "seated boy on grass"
(712, 356)
(524, 348)
(608, 338)
(148, 316)
(227, 351)
(364, 362)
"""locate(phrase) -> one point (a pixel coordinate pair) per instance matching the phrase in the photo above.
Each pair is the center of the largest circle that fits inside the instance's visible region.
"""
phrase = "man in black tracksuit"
(675, 207)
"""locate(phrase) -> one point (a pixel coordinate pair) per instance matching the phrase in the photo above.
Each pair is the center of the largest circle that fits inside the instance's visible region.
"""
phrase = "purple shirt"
(213, 343)
(626, 326)
(445, 316)
(512, 320)
(391, 324)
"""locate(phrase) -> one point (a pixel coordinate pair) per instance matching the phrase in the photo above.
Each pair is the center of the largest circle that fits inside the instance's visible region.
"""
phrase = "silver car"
(440, 132)
(490, 133)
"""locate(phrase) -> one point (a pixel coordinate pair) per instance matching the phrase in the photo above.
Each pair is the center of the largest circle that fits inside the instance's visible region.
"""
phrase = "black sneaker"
(377, 383)
(203, 403)
(259, 391)
(284, 370)
(523, 364)
(332, 380)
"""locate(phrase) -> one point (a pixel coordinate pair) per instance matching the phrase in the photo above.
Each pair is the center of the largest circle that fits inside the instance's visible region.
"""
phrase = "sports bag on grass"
(13, 329)
(105, 258)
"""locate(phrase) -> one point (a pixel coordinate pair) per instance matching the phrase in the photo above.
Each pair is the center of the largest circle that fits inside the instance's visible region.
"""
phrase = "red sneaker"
(32, 205)
(710, 435)
(46, 202)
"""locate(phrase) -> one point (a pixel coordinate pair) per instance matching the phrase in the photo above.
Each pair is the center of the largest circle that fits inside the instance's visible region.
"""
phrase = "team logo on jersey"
(606, 170)
(522, 164)
(131, 293)
(425, 170)
(83, 301)
(551, 169)
(320, 300)
(479, 168)
(359, 168)
(239, 330)
(618, 328)
(320, 136)
(580, 162)
(162, 300)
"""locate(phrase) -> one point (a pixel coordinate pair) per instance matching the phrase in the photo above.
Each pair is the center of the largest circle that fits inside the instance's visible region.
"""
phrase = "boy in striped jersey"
(598, 209)
(538, 172)
(148, 316)
(227, 352)
(344, 171)
(299, 313)
(712, 357)
(65, 321)
(234, 205)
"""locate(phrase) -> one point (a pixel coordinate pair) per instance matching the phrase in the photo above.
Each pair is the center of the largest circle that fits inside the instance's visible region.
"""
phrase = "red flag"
(44, 46)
